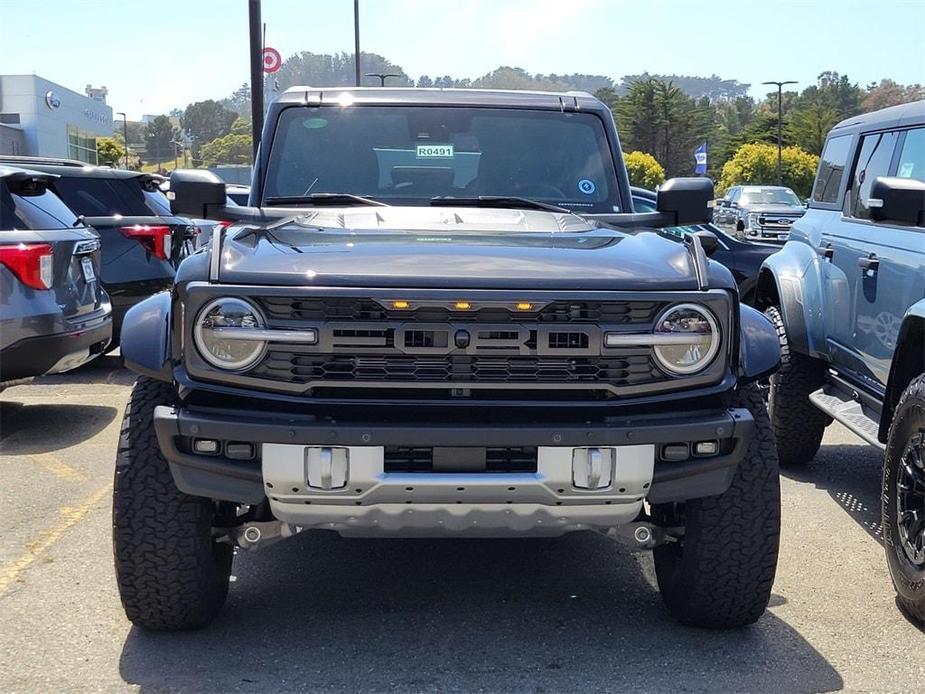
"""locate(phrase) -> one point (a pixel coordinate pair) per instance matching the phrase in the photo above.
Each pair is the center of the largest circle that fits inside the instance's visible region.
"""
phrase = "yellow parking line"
(70, 516)
(58, 467)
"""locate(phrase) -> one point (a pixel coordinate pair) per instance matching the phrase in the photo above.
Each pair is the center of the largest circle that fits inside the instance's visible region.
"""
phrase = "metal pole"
(356, 39)
(256, 49)
(780, 118)
(124, 134)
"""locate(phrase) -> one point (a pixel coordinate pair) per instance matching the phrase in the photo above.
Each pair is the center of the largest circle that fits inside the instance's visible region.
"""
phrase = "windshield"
(408, 155)
(769, 196)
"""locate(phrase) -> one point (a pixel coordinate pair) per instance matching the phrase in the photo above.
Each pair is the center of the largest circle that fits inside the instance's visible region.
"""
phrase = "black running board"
(848, 412)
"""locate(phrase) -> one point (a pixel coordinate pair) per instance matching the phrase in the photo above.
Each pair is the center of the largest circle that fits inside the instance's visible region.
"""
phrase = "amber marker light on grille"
(524, 306)
(400, 304)
(462, 305)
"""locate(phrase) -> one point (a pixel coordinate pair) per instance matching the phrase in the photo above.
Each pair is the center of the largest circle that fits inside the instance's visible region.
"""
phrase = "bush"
(756, 164)
(643, 170)
(230, 149)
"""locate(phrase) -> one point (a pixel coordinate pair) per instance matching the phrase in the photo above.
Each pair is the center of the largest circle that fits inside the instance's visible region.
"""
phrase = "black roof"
(68, 168)
(502, 98)
(892, 117)
(20, 173)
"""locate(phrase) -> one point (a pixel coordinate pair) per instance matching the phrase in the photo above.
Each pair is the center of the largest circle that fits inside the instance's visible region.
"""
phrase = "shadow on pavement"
(851, 475)
(44, 428)
(577, 613)
(107, 369)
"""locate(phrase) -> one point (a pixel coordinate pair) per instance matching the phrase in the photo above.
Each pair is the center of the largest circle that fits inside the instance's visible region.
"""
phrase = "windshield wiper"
(500, 201)
(323, 199)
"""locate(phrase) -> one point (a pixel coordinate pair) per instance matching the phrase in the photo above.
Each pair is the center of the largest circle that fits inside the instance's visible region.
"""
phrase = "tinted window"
(45, 211)
(158, 202)
(407, 155)
(874, 157)
(831, 169)
(100, 197)
(643, 204)
(912, 156)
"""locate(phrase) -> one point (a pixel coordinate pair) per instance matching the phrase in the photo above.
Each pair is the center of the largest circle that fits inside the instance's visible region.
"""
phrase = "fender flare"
(759, 347)
(145, 340)
(908, 362)
(790, 280)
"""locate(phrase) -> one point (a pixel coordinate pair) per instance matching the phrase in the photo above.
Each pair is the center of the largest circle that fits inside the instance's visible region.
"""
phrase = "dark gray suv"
(54, 313)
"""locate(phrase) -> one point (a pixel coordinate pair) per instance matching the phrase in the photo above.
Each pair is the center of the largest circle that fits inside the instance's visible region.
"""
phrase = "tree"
(234, 148)
(889, 93)
(643, 170)
(756, 163)
(207, 120)
(159, 138)
(109, 151)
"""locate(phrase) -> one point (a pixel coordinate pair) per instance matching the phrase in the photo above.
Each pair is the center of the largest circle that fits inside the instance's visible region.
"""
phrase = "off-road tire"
(798, 425)
(171, 574)
(719, 575)
(908, 423)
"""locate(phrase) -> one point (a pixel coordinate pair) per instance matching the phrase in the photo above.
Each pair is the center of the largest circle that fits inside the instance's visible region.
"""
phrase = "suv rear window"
(831, 169)
(45, 211)
(102, 197)
(409, 154)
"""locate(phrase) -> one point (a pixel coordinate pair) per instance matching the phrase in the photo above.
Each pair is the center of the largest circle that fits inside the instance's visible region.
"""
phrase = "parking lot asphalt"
(322, 613)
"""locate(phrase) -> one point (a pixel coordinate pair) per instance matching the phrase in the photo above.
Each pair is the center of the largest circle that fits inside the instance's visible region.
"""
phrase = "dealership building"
(41, 118)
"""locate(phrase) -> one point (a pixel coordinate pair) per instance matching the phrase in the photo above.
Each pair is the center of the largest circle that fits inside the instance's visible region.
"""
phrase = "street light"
(356, 39)
(382, 76)
(780, 86)
(124, 134)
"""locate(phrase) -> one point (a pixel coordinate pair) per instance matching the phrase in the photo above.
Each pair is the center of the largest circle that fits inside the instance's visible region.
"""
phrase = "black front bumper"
(37, 356)
(235, 480)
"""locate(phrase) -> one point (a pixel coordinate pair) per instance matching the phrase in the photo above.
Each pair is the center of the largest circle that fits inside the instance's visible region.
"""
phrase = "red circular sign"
(272, 60)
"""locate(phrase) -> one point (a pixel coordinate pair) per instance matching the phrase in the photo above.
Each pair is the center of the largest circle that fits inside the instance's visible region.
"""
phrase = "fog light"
(239, 451)
(675, 452)
(206, 446)
(706, 448)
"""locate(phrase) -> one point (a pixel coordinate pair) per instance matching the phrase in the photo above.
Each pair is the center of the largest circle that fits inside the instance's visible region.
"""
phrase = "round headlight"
(215, 338)
(692, 338)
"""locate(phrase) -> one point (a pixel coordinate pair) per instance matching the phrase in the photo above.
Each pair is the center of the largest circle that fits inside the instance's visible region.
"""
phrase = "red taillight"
(31, 263)
(155, 238)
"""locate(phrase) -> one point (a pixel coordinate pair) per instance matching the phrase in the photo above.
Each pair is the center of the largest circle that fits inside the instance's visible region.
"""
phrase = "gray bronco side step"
(844, 409)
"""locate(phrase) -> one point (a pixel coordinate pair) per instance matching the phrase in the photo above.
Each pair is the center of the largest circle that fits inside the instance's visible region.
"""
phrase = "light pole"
(780, 87)
(356, 39)
(382, 76)
(124, 134)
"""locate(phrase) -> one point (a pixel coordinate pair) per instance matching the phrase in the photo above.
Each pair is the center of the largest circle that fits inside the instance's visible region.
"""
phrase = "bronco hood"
(452, 248)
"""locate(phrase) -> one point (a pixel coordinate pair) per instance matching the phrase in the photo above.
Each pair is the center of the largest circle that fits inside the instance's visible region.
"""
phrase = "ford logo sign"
(52, 100)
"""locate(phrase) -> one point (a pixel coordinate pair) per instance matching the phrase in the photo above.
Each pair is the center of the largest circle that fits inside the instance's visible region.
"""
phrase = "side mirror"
(192, 192)
(687, 199)
(899, 200)
(708, 241)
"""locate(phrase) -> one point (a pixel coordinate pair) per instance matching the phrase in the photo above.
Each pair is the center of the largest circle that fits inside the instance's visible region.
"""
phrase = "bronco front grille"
(295, 367)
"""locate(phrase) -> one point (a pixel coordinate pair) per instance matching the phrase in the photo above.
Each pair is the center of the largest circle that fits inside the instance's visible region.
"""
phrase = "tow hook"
(255, 535)
(640, 535)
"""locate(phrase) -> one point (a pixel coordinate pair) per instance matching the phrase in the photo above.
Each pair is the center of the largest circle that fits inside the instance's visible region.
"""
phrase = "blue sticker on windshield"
(587, 187)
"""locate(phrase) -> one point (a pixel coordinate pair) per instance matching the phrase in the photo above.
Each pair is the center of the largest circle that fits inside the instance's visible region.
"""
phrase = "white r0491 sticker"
(435, 152)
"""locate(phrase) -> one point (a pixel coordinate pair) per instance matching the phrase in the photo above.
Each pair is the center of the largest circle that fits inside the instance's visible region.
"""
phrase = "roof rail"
(56, 161)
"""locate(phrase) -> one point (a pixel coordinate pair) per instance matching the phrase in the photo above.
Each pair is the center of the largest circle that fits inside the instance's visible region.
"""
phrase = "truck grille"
(294, 367)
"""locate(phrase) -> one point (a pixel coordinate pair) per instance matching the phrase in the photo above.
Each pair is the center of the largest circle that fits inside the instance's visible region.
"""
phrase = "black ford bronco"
(440, 316)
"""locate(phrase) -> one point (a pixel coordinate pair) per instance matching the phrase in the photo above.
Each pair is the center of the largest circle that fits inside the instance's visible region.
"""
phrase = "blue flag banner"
(700, 157)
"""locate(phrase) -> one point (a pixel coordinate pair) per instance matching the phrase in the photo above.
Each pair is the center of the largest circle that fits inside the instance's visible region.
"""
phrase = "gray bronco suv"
(847, 294)
(440, 316)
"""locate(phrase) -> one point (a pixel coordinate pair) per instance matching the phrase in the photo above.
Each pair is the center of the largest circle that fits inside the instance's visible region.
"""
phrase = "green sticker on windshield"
(435, 152)
(315, 123)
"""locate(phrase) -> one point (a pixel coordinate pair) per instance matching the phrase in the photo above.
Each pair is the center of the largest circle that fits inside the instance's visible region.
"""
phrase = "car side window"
(912, 156)
(831, 169)
(734, 197)
(874, 156)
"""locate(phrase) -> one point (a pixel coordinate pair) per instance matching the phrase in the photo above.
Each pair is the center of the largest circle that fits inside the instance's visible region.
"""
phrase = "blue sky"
(154, 55)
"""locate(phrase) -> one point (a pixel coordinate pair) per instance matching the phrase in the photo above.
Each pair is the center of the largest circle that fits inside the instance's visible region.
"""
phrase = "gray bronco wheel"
(171, 574)
(903, 500)
(798, 426)
(719, 575)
